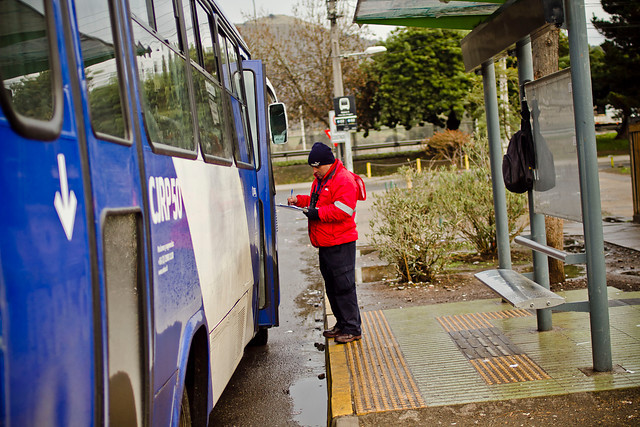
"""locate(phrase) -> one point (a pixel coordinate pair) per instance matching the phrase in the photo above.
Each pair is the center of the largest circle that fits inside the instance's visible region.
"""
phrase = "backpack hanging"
(519, 161)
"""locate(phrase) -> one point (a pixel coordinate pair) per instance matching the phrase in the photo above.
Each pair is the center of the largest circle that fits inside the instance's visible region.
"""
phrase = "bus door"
(106, 115)
(269, 292)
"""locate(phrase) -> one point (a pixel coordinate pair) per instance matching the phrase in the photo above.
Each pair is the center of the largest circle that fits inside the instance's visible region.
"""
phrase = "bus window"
(235, 66)
(101, 68)
(190, 31)
(211, 117)
(166, 24)
(224, 60)
(164, 96)
(208, 52)
(25, 61)
(250, 86)
(141, 9)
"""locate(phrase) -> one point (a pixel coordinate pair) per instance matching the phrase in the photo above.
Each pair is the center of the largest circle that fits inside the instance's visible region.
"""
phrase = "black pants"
(337, 265)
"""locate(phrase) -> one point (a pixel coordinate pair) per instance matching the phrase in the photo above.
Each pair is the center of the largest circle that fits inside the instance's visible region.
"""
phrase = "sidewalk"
(450, 354)
(412, 360)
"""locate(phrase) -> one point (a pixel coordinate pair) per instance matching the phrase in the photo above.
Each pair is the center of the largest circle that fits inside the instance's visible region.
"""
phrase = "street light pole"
(338, 89)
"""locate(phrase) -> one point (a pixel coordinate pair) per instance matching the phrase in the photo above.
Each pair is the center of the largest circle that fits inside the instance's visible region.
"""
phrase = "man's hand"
(312, 213)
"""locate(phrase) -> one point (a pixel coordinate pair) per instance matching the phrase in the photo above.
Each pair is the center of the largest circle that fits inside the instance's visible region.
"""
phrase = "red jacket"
(336, 208)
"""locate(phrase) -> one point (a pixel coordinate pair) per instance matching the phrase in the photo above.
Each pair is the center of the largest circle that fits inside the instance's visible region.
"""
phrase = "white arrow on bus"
(66, 202)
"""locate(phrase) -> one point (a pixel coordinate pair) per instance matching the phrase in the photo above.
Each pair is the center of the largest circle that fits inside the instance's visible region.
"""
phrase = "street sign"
(345, 111)
(336, 135)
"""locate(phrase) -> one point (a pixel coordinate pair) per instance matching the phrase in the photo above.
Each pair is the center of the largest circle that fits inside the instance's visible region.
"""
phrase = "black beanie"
(320, 154)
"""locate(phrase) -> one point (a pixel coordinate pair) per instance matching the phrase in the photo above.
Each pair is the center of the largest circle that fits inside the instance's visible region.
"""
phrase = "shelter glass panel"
(556, 189)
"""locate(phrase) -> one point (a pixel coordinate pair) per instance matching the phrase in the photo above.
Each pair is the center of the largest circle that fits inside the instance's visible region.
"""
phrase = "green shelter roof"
(463, 15)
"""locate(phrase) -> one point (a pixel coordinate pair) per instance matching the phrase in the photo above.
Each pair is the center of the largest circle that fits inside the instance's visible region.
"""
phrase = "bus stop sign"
(345, 109)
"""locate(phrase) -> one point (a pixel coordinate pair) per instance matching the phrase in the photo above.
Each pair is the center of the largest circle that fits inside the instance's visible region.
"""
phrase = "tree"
(621, 49)
(509, 112)
(297, 55)
(421, 79)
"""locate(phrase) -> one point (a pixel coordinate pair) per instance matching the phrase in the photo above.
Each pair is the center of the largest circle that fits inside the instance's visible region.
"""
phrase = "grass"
(620, 170)
(607, 144)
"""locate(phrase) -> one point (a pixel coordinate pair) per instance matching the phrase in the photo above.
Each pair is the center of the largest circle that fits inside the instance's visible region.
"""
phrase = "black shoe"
(331, 333)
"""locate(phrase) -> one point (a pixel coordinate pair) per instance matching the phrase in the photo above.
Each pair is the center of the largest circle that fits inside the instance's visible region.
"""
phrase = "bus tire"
(261, 338)
(185, 410)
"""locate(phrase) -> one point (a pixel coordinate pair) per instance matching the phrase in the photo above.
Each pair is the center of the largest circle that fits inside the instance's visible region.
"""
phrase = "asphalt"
(479, 351)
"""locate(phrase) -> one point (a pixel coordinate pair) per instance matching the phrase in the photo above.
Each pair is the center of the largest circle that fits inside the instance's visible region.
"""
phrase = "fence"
(365, 147)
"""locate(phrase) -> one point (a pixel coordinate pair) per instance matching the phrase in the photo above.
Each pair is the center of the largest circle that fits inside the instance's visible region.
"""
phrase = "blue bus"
(137, 220)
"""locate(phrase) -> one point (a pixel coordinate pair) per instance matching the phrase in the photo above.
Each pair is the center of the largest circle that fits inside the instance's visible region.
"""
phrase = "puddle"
(573, 271)
(377, 273)
(310, 402)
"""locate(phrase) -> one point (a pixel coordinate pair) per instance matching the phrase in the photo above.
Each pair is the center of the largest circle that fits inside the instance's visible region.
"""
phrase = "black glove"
(312, 213)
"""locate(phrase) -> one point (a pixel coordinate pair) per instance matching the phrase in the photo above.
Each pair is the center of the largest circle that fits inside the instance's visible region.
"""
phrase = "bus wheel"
(185, 411)
(260, 339)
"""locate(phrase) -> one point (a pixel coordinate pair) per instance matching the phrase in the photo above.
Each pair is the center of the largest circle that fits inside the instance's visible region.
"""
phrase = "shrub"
(418, 229)
(448, 145)
(409, 232)
(466, 199)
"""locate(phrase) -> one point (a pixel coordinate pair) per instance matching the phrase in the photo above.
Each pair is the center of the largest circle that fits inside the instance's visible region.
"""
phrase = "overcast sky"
(237, 10)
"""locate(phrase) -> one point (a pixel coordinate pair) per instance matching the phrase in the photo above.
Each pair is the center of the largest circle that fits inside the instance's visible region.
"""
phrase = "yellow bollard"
(466, 162)
(368, 170)
(612, 165)
(418, 165)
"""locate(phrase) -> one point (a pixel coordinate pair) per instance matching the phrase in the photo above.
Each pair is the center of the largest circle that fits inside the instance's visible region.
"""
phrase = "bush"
(418, 229)
(448, 145)
(466, 199)
(409, 232)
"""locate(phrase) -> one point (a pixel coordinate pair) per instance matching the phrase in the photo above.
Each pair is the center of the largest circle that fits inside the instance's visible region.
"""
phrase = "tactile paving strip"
(459, 322)
(381, 378)
(509, 369)
(492, 354)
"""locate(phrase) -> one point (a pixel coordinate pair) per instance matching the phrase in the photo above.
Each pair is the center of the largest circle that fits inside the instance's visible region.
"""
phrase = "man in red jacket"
(332, 229)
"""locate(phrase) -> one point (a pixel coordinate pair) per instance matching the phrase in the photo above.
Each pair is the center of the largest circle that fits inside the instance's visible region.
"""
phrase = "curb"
(340, 411)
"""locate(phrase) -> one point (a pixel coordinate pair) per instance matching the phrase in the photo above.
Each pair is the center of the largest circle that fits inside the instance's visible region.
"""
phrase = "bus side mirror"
(278, 123)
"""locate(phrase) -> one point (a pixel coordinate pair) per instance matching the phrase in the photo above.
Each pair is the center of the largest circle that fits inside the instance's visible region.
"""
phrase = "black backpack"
(520, 161)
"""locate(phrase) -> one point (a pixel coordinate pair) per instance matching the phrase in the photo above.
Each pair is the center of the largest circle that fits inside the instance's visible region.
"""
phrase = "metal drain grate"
(492, 354)
(382, 380)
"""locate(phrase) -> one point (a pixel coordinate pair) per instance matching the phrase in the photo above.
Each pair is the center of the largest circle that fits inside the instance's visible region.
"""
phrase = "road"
(283, 383)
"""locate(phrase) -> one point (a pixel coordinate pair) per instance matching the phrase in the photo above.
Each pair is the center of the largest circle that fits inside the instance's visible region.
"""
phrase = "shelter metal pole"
(589, 185)
(495, 154)
(536, 221)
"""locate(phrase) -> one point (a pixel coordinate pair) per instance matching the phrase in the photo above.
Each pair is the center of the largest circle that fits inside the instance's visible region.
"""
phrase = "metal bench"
(518, 290)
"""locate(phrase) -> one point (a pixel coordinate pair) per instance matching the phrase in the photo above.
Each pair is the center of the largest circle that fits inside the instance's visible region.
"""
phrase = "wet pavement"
(283, 383)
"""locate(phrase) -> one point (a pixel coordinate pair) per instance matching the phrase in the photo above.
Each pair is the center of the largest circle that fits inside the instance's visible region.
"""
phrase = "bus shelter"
(496, 26)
